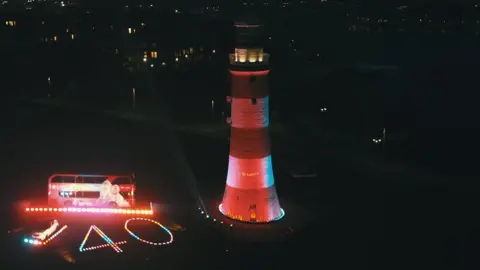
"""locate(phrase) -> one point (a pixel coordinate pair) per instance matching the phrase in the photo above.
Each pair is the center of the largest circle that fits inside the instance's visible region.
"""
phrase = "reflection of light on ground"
(67, 256)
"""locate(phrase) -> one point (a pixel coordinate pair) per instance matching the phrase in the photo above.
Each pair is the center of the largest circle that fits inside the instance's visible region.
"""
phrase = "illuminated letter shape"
(103, 235)
(146, 241)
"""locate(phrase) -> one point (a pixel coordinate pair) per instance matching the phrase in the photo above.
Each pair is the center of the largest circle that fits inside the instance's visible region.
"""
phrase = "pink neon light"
(250, 173)
(249, 73)
(93, 210)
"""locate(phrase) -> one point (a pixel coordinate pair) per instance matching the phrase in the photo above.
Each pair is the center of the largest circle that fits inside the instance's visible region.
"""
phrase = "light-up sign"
(34, 240)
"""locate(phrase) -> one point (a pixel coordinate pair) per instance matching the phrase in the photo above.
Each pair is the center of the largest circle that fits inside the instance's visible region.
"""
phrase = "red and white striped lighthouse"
(250, 193)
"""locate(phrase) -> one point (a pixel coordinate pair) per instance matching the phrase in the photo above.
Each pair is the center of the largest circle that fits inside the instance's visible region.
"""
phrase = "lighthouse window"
(253, 79)
(254, 101)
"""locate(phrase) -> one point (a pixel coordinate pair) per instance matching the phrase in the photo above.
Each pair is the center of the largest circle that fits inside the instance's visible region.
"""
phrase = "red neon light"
(249, 73)
(93, 210)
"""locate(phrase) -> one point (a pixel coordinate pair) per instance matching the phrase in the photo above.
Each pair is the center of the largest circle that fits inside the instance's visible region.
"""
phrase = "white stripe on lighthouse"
(250, 113)
(250, 173)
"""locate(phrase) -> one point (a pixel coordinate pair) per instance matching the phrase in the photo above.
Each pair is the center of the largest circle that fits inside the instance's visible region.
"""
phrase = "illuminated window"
(54, 38)
(10, 23)
(73, 36)
(153, 54)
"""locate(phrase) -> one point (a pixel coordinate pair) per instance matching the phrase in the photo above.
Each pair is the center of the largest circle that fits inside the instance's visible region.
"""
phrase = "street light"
(134, 93)
(49, 86)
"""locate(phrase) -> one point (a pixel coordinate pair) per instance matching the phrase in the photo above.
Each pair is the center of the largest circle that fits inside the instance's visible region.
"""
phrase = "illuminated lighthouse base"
(250, 194)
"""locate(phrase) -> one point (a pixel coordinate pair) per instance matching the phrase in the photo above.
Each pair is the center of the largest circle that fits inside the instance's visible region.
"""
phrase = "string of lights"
(37, 242)
(104, 245)
(103, 235)
(146, 241)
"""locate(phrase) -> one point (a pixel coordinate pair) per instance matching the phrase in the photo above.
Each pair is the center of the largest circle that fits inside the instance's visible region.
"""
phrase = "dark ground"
(359, 220)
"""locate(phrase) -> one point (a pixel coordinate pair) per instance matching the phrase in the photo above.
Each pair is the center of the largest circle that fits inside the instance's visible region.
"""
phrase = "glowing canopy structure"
(250, 193)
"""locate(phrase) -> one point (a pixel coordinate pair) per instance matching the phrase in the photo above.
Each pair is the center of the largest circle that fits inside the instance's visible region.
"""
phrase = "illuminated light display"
(32, 241)
(103, 235)
(93, 210)
(146, 241)
(55, 235)
(37, 242)
(103, 246)
(250, 194)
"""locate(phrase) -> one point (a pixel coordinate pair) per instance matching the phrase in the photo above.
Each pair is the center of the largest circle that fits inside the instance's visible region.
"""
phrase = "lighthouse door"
(253, 213)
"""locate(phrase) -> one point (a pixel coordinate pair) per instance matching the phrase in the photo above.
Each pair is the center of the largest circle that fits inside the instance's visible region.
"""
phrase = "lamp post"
(384, 137)
(134, 92)
(49, 86)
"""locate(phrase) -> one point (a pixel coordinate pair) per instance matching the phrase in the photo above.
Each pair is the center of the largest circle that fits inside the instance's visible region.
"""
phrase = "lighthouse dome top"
(248, 19)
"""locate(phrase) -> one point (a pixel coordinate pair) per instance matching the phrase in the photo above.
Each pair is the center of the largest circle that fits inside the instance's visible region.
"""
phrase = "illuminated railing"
(92, 210)
(249, 59)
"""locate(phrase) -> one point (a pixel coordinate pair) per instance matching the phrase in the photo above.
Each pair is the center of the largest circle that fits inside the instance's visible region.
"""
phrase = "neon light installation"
(46, 233)
(38, 242)
(104, 245)
(103, 235)
(55, 235)
(92, 210)
(146, 241)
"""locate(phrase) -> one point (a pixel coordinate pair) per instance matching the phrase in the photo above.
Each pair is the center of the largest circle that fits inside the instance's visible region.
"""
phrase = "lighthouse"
(250, 194)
